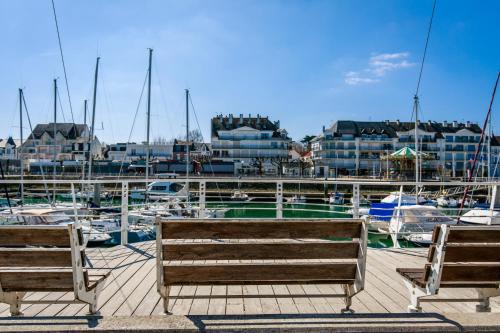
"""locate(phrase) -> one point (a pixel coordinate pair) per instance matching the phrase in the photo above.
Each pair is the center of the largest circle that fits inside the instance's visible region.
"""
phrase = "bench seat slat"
(32, 257)
(258, 273)
(53, 279)
(257, 229)
(260, 251)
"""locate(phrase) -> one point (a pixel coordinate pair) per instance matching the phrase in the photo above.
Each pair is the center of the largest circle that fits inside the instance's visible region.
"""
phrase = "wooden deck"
(131, 290)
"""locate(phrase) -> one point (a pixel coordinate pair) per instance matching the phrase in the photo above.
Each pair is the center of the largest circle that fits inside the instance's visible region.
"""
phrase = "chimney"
(455, 123)
(323, 128)
(418, 122)
(241, 118)
(230, 122)
(249, 115)
(445, 123)
(397, 122)
(468, 124)
(387, 122)
(429, 122)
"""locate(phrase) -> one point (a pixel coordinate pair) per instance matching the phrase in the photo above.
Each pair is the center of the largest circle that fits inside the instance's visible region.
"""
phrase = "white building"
(70, 142)
(129, 152)
(254, 144)
(356, 148)
(8, 148)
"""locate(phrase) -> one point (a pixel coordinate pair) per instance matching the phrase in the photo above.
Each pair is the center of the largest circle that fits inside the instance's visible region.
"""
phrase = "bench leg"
(485, 294)
(415, 295)
(349, 292)
(13, 299)
(165, 294)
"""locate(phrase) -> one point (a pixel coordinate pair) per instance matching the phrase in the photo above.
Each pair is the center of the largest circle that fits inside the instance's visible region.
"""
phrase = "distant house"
(131, 151)
(8, 148)
(69, 142)
(254, 144)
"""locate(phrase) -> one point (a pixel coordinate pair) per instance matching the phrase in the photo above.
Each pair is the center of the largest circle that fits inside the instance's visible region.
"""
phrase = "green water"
(268, 210)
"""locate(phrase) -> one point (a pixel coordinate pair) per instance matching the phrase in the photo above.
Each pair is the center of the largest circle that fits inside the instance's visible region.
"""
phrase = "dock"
(130, 302)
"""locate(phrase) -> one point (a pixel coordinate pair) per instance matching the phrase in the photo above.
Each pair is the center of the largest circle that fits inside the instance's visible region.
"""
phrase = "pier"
(130, 302)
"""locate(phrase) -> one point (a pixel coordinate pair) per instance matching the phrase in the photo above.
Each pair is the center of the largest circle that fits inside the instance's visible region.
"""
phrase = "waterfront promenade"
(131, 302)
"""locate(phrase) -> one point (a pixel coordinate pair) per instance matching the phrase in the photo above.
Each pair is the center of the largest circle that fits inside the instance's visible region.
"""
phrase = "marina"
(306, 166)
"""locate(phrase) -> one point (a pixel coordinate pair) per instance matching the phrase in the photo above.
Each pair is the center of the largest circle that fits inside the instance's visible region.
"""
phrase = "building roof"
(9, 141)
(67, 130)
(231, 122)
(390, 128)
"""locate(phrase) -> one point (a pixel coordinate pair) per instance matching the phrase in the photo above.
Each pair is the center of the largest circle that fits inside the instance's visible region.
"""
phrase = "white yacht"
(158, 190)
(239, 195)
(407, 199)
(449, 202)
(416, 223)
(297, 199)
(481, 216)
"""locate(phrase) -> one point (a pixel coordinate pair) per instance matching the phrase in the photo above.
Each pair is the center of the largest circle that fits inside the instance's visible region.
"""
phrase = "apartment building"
(254, 144)
(356, 147)
(130, 152)
(62, 141)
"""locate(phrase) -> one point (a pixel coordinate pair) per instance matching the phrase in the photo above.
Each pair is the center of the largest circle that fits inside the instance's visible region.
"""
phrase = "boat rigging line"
(203, 139)
(416, 103)
(478, 149)
(31, 130)
(62, 60)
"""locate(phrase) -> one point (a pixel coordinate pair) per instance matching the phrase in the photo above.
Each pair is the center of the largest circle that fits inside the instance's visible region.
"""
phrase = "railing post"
(355, 201)
(202, 193)
(279, 200)
(124, 217)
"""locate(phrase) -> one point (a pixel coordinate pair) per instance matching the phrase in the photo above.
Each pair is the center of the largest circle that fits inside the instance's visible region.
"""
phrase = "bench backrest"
(342, 241)
(463, 255)
(40, 258)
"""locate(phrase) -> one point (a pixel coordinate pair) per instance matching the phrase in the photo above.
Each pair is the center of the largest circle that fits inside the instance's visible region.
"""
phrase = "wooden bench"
(45, 259)
(459, 257)
(271, 251)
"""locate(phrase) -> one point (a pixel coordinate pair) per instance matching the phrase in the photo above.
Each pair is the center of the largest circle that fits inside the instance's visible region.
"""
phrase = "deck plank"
(131, 290)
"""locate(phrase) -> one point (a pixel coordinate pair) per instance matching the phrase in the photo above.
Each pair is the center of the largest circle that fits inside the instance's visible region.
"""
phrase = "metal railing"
(268, 197)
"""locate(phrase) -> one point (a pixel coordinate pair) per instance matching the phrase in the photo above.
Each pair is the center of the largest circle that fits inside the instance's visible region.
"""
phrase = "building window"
(449, 138)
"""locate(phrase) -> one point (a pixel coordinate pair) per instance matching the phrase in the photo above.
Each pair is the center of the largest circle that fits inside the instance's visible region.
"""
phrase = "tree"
(306, 141)
(194, 136)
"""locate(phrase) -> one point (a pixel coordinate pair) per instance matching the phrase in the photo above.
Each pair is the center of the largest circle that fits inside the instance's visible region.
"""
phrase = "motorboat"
(416, 223)
(481, 216)
(297, 199)
(239, 195)
(158, 190)
(406, 199)
(449, 202)
(336, 198)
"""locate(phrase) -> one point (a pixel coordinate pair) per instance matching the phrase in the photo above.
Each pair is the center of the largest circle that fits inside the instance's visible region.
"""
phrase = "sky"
(304, 63)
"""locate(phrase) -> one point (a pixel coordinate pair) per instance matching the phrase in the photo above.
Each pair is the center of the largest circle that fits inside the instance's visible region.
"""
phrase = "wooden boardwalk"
(131, 290)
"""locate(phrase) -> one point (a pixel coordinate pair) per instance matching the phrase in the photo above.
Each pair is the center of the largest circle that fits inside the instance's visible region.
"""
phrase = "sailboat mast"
(55, 143)
(94, 102)
(417, 165)
(148, 117)
(490, 134)
(19, 150)
(187, 133)
(187, 144)
(85, 124)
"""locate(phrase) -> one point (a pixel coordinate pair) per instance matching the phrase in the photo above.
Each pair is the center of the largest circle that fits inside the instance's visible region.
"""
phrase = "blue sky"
(305, 63)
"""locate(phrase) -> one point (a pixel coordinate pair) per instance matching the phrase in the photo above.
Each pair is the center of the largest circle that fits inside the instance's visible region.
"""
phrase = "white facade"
(129, 152)
(344, 149)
